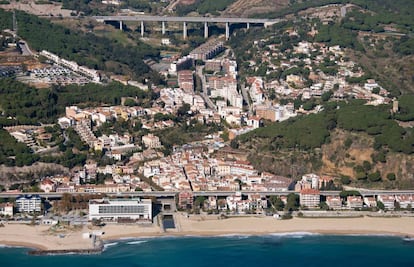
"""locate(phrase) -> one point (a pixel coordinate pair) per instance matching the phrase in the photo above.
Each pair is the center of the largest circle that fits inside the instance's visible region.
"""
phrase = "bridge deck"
(182, 19)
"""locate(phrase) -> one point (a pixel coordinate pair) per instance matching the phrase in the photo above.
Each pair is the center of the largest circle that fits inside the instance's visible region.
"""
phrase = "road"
(185, 19)
(209, 193)
(246, 98)
(25, 49)
(199, 72)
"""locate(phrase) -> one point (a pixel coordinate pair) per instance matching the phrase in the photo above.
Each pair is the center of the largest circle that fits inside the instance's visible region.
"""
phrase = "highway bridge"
(185, 20)
(170, 194)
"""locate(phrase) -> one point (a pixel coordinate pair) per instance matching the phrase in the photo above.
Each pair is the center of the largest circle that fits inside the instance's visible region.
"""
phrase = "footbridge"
(204, 20)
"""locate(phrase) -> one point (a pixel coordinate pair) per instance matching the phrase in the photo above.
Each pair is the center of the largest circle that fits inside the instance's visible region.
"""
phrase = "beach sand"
(39, 237)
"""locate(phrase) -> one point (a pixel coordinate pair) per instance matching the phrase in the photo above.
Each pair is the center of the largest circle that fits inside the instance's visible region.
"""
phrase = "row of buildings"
(91, 74)
(311, 198)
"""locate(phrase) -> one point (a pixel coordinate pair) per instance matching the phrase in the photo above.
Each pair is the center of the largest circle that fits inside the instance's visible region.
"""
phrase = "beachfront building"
(354, 202)
(388, 201)
(310, 198)
(334, 202)
(29, 203)
(120, 209)
(6, 209)
(370, 202)
(405, 201)
(185, 200)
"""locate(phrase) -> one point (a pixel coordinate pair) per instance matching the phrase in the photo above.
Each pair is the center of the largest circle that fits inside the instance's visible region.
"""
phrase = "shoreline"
(35, 249)
(42, 242)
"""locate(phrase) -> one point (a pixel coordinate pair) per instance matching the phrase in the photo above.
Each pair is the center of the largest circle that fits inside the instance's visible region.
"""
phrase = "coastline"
(41, 239)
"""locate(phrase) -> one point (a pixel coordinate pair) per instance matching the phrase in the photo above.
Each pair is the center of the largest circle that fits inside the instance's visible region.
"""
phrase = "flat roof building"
(29, 203)
(310, 198)
(120, 209)
(6, 209)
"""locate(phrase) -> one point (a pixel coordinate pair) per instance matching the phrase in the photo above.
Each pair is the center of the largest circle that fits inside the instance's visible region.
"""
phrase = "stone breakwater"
(66, 251)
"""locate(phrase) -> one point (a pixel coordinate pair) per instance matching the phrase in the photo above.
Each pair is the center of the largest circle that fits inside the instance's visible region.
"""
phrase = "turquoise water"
(291, 250)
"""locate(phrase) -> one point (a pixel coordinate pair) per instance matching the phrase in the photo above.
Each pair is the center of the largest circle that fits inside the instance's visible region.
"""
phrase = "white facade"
(6, 209)
(29, 203)
(114, 209)
(388, 201)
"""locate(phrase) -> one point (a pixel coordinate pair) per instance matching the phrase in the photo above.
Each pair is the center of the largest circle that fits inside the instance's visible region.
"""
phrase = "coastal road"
(207, 193)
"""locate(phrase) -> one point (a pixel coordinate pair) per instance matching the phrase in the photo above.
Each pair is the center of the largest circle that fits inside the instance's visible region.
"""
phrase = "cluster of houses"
(316, 58)
(193, 168)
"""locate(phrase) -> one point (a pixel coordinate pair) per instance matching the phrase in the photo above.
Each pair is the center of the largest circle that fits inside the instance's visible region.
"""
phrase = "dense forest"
(28, 105)
(310, 132)
(13, 152)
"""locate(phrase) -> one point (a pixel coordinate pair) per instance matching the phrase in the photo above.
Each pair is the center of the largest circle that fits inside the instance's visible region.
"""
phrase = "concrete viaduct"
(185, 20)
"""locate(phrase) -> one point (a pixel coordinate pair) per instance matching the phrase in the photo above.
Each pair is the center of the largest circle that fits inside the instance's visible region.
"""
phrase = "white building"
(6, 209)
(334, 202)
(151, 141)
(354, 202)
(29, 203)
(115, 209)
(309, 198)
(388, 201)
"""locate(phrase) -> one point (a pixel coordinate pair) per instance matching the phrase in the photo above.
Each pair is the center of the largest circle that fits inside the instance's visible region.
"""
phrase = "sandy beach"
(40, 237)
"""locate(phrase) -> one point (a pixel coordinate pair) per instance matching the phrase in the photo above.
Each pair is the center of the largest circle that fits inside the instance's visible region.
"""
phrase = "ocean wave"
(9, 246)
(293, 234)
(236, 236)
(136, 242)
(368, 235)
(107, 245)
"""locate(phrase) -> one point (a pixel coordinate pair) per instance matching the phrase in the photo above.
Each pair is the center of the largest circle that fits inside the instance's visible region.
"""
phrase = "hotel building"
(120, 209)
(310, 198)
(29, 203)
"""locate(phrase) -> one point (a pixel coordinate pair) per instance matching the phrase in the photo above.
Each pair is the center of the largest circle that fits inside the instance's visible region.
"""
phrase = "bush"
(391, 176)
(345, 179)
(374, 177)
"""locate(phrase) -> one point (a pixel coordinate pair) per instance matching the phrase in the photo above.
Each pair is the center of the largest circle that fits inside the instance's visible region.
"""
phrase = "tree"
(276, 202)
(348, 142)
(130, 102)
(374, 177)
(366, 165)
(326, 96)
(345, 179)
(391, 176)
(323, 206)
(183, 110)
(346, 193)
(199, 202)
(292, 202)
(361, 175)
(380, 205)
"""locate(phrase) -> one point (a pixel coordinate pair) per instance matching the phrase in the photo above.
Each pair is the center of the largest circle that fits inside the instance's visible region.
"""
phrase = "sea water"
(297, 249)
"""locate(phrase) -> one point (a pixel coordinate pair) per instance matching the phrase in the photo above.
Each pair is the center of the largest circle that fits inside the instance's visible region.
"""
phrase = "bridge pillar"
(185, 30)
(120, 25)
(227, 30)
(163, 27)
(248, 25)
(205, 30)
(142, 28)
